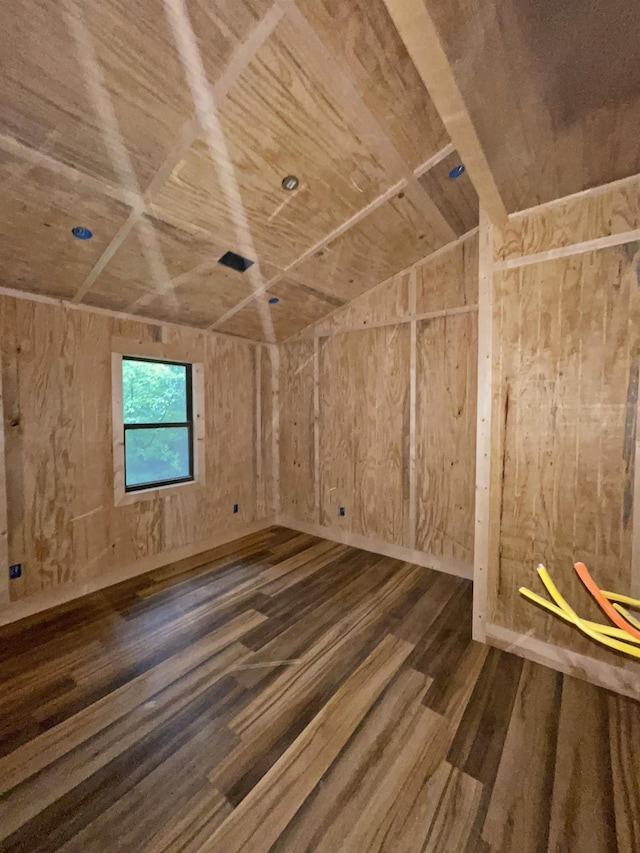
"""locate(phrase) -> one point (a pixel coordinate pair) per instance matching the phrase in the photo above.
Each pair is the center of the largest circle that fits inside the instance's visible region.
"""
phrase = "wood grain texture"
(285, 693)
(38, 209)
(364, 396)
(297, 451)
(63, 525)
(387, 241)
(423, 41)
(551, 95)
(382, 72)
(576, 220)
(566, 374)
(395, 495)
(444, 280)
(456, 198)
(445, 435)
(277, 97)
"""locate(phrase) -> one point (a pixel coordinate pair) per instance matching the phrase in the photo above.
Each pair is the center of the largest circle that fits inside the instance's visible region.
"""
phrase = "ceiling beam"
(420, 37)
(337, 232)
(189, 134)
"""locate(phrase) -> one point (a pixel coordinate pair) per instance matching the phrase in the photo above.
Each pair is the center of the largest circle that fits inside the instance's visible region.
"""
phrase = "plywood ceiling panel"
(52, 51)
(362, 34)
(38, 209)
(389, 239)
(137, 268)
(278, 120)
(201, 299)
(456, 198)
(553, 90)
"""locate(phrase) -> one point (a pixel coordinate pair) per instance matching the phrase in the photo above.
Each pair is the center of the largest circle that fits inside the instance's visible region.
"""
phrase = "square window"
(157, 409)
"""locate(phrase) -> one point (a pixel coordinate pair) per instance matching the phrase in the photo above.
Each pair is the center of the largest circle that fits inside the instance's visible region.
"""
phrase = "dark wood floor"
(285, 693)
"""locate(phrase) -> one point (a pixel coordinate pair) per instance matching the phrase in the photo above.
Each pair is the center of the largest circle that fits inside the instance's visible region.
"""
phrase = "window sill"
(156, 493)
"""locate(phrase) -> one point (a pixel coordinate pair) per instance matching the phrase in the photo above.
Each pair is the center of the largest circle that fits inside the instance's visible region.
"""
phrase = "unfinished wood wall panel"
(449, 280)
(63, 525)
(386, 303)
(364, 420)
(394, 400)
(566, 359)
(614, 210)
(445, 435)
(297, 453)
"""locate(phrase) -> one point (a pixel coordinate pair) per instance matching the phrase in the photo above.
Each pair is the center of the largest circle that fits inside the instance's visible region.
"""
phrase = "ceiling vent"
(235, 262)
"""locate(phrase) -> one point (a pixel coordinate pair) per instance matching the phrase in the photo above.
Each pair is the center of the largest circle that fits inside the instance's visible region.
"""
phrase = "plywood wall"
(378, 415)
(566, 357)
(56, 381)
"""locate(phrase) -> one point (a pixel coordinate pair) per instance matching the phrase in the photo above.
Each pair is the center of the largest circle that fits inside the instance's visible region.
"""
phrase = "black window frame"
(156, 484)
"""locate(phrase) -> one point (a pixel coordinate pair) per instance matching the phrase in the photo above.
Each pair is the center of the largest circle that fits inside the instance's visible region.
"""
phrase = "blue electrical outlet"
(341, 510)
(236, 507)
(15, 571)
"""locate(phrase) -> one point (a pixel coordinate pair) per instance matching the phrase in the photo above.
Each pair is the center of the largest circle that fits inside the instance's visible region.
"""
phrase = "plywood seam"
(337, 232)
(337, 79)
(594, 244)
(397, 321)
(191, 132)
(118, 315)
(630, 183)
(305, 333)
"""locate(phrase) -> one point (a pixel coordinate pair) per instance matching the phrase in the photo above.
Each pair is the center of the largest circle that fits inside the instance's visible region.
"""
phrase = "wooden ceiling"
(167, 126)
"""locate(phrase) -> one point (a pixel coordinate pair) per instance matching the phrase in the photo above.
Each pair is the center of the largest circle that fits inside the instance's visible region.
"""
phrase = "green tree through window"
(158, 422)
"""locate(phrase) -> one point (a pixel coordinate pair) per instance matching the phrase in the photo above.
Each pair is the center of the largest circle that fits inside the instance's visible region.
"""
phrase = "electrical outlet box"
(236, 507)
(15, 571)
(341, 510)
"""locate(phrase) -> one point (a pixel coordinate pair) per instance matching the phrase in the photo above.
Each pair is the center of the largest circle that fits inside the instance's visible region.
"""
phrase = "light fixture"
(290, 183)
(274, 300)
(81, 233)
(457, 171)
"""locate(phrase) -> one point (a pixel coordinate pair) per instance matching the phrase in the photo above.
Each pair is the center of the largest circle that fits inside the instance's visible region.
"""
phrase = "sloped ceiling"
(105, 126)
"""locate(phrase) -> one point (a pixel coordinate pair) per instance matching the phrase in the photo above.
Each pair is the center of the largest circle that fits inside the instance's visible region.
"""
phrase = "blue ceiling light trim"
(274, 300)
(82, 233)
(457, 171)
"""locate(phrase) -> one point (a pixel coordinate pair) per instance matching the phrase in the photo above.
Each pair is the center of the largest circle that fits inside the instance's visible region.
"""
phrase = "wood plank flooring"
(286, 693)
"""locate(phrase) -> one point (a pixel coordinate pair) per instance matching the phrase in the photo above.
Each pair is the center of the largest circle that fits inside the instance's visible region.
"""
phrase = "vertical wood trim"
(635, 542)
(413, 509)
(260, 508)
(117, 427)
(4, 533)
(316, 428)
(481, 553)
(200, 449)
(274, 354)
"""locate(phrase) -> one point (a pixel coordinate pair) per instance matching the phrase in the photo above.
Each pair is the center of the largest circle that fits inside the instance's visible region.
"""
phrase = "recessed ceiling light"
(457, 171)
(290, 183)
(274, 300)
(82, 233)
